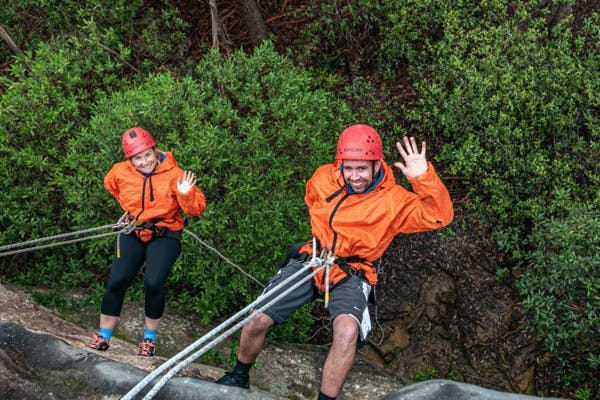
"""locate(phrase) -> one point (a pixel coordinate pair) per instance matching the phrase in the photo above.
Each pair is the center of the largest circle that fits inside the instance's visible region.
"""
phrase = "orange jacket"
(154, 197)
(364, 225)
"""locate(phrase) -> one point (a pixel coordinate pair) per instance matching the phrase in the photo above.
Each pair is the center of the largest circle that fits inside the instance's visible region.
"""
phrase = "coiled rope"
(316, 262)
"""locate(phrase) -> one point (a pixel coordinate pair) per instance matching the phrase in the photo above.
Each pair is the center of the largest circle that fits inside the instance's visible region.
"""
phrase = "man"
(356, 209)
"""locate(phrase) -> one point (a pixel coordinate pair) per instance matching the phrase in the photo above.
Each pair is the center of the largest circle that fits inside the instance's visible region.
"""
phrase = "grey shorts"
(348, 297)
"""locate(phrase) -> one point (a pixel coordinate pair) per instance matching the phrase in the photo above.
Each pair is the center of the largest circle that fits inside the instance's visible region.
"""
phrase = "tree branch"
(13, 46)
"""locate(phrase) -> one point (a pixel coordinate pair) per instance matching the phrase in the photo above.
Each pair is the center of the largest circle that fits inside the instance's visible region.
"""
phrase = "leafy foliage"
(42, 111)
(515, 100)
(561, 286)
(510, 111)
(151, 36)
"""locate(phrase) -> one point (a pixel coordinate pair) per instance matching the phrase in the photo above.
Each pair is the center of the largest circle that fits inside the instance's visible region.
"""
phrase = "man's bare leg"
(341, 355)
(252, 338)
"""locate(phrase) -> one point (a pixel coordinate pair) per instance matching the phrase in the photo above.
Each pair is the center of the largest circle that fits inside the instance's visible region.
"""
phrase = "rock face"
(281, 371)
(38, 366)
(446, 310)
(44, 357)
(444, 389)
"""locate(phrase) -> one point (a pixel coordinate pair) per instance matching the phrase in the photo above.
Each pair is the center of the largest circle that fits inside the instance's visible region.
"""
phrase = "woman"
(152, 189)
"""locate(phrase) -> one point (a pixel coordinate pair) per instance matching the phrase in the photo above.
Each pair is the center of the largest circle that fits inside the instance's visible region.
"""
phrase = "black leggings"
(159, 254)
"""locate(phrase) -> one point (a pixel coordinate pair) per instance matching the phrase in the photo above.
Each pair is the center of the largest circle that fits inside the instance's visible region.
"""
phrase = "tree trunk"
(214, 17)
(218, 29)
(257, 29)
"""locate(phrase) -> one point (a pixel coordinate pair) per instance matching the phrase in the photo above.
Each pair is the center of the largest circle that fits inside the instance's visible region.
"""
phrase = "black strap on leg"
(351, 271)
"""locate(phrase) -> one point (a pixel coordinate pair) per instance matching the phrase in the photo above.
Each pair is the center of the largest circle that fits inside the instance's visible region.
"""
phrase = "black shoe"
(235, 379)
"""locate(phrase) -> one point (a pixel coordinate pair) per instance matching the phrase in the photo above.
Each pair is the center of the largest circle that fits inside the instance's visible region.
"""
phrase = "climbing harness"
(317, 263)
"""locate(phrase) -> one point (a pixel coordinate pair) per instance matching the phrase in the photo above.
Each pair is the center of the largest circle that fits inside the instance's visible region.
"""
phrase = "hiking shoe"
(99, 343)
(146, 348)
(235, 379)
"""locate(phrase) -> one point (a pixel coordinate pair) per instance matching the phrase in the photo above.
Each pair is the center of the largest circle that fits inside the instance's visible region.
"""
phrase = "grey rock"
(39, 353)
(442, 389)
(26, 354)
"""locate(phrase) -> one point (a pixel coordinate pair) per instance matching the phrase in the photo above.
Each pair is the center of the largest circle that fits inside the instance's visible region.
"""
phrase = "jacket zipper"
(143, 199)
(335, 208)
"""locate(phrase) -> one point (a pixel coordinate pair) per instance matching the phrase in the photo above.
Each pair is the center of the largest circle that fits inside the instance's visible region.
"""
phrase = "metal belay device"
(230, 326)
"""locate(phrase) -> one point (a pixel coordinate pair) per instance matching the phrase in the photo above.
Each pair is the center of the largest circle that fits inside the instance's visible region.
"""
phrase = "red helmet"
(359, 142)
(136, 140)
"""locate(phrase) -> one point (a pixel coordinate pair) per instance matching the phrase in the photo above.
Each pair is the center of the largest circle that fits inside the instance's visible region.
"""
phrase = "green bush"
(516, 104)
(390, 38)
(561, 286)
(148, 37)
(42, 110)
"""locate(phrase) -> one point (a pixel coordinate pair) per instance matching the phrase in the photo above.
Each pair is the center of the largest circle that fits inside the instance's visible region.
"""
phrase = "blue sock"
(149, 334)
(106, 333)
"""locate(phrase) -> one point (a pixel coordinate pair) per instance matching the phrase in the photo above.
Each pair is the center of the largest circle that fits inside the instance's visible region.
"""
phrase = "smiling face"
(359, 174)
(145, 161)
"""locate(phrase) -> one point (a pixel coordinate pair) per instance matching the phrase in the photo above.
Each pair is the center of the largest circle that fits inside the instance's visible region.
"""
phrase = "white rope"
(163, 381)
(318, 262)
(203, 243)
(377, 307)
(8, 253)
(127, 227)
(120, 225)
(326, 304)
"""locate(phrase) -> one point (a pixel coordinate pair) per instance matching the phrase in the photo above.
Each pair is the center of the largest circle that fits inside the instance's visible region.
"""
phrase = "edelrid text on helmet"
(359, 142)
(136, 140)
